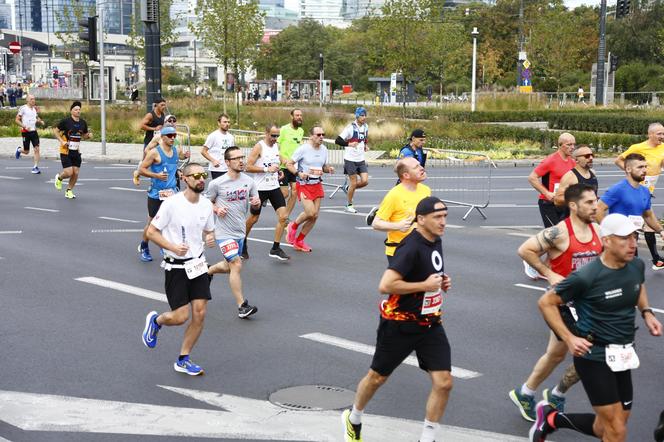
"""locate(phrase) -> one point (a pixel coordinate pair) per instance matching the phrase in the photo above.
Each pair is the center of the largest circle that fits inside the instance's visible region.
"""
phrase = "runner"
(215, 146)
(263, 162)
(354, 139)
(290, 138)
(659, 430)
(160, 165)
(410, 320)
(179, 227)
(605, 293)
(232, 194)
(397, 210)
(151, 124)
(308, 162)
(570, 244)
(581, 173)
(415, 147)
(653, 151)
(28, 119)
(70, 131)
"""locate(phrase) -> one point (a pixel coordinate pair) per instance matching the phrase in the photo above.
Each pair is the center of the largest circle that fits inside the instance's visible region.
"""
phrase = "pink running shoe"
(291, 231)
(301, 246)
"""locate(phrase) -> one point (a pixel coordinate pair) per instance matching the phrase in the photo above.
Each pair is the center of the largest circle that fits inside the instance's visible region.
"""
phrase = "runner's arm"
(567, 180)
(653, 324)
(206, 154)
(389, 226)
(253, 157)
(145, 122)
(652, 221)
(154, 235)
(547, 240)
(602, 208)
(534, 181)
(290, 165)
(340, 141)
(144, 167)
(620, 162)
(392, 283)
(548, 305)
(152, 144)
(59, 135)
(19, 120)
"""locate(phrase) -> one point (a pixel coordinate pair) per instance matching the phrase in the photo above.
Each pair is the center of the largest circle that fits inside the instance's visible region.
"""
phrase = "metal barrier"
(64, 93)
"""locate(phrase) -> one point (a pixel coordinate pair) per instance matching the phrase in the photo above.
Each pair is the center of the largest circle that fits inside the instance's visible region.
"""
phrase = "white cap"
(616, 224)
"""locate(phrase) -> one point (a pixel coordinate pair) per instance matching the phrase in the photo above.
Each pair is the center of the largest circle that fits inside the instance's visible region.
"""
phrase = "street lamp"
(475, 34)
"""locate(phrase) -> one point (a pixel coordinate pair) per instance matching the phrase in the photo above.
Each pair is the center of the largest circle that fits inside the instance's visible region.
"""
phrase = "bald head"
(655, 134)
(566, 143)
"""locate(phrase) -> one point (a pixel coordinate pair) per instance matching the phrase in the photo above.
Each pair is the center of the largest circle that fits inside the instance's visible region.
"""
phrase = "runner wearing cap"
(354, 139)
(410, 320)
(415, 147)
(69, 132)
(605, 293)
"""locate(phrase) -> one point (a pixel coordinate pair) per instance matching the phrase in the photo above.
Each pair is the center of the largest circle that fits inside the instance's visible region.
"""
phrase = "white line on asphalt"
(343, 212)
(268, 242)
(116, 231)
(533, 287)
(461, 373)
(2, 439)
(102, 179)
(9, 232)
(24, 167)
(10, 177)
(41, 209)
(129, 189)
(524, 235)
(363, 228)
(262, 228)
(123, 288)
(120, 219)
(510, 227)
(116, 167)
(133, 166)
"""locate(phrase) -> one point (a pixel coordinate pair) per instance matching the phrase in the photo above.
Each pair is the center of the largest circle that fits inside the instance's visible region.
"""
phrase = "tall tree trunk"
(224, 84)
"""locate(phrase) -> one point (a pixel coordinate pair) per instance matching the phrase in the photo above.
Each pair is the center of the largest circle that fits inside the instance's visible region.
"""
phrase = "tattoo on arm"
(569, 378)
(550, 235)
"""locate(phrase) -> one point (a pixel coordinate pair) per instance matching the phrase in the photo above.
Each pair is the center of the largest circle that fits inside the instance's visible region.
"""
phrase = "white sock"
(355, 417)
(429, 431)
(557, 392)
(527, 391)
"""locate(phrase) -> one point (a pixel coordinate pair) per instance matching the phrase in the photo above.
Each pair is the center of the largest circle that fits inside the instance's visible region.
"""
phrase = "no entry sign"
(15, 47)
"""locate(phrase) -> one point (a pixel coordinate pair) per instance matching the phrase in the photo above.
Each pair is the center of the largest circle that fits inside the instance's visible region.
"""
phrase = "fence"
(64, 93)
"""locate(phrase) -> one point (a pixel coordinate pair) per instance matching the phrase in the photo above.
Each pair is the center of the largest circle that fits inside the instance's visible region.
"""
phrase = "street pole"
(322, 76)
(48, 38)
(601, 57)
(475, 33)
(102, 75)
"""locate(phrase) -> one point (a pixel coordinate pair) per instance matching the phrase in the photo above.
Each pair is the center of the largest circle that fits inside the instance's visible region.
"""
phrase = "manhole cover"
(313, 397)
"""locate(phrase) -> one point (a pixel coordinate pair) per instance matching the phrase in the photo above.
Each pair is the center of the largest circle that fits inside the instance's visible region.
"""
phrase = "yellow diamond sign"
(526, 64)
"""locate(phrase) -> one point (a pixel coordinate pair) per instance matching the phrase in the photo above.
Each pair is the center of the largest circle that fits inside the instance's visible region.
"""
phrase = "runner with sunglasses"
(581, 174)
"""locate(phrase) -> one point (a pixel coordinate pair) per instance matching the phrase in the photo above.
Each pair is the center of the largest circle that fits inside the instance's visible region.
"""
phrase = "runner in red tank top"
(570, 244)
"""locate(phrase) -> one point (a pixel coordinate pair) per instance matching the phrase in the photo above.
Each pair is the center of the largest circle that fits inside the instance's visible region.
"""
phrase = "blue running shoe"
(17, 154)
(557, 402)
(188, 367)
(525, 404)
(144, 254)
(151, 329)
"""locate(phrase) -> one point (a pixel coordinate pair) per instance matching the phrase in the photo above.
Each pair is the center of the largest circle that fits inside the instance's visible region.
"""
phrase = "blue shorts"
(232, 248)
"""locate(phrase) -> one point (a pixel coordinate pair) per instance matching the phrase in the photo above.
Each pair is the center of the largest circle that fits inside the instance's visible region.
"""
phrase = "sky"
(574, 3)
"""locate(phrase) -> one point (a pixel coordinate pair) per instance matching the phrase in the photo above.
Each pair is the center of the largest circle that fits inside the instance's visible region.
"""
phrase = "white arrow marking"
(123, 288)
(241, 418)
(119, 219)
(461, 373)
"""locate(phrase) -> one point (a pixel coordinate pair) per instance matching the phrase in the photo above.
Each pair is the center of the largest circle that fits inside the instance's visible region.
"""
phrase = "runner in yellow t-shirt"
(290, 138)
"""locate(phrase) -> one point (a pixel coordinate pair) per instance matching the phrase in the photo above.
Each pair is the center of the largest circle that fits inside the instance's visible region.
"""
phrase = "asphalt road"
(62, 336)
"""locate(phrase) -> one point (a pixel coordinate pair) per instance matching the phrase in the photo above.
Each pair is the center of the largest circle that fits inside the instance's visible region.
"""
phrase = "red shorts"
(310, 191)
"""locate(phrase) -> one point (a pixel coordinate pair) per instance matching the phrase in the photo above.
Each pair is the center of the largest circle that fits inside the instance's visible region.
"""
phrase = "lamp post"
(475, 34)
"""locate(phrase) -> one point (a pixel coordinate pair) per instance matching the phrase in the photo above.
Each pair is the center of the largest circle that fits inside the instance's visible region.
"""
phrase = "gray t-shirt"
(310, 161)
(234, 195)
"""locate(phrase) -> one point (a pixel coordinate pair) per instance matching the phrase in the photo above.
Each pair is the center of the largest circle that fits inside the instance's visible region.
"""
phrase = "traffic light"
(613, 63)
(622, 8)
(10, 65)
(88, 33)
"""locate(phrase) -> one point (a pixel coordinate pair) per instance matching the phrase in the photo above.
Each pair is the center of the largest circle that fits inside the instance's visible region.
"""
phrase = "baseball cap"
(616, 224)
(418, 133)
(167, 130)
(360, 111)
(428, 205)
(169, 116)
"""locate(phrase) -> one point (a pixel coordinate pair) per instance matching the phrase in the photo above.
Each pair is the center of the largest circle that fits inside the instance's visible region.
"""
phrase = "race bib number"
(229, 248)
(636, 220)
(74, 145)
(555, 187)
(431, 302)
(163, 194)
(195, 267)
(621, 357)
(315, 171)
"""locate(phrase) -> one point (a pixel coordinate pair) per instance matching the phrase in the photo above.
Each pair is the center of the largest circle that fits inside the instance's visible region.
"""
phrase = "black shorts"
(355, 167)
(276, 200)
(603, 386)
(568, 320)
(287, 178)
(30, 137)
(397, 339)
(216, 174)
(71, 159)
(153, 206)
(181, 290)
(551, 215)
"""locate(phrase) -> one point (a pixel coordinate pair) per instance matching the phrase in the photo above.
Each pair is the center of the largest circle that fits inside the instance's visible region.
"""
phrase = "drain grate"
(313, 398)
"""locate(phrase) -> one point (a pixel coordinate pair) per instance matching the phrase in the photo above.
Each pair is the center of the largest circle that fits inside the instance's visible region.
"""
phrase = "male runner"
(263, 162)
(28, 118)
(653, 151)
(232, 194)
(570, 244)
(179, 228)
(290, 138)
(581, 173)
(151, 124)
(354, 139)
(397, 210)
(308, 163)
(70, 131)
(410, 320)
(605, 293)
(415, 147)
(215, 146)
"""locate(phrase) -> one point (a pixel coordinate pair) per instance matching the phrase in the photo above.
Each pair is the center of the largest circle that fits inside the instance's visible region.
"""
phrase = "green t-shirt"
(289, 140)
(604, 299)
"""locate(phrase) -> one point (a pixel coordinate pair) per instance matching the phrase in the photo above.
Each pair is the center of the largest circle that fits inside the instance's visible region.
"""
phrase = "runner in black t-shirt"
(70, 132)
(411, 320)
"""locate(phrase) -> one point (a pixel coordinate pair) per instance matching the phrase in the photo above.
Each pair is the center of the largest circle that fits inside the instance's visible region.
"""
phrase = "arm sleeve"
(340, 141)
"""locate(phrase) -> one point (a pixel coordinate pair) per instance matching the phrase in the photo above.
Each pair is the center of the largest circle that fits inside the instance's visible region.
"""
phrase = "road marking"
(533, 287)
(4, 177)
(25, 167)
(117, 166)
(116, 230)
(364, 228)
(129, 189)
(262, 228)
(10, 232)
(461, 373)
(523, 235)
(123, 288)
(120, 219)
(343, 212)
(510, 227)
(283, 244)
(447, 226)
(41, 209)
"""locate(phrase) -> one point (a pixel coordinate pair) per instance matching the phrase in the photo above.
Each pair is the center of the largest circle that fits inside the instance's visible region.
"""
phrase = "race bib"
(229, 248)
(621, 357)
(432, 302)
(74, 145)
(555, 187)
(315, 171)
(636, 220)
(163, 194)
(650, 181)
(195, 267)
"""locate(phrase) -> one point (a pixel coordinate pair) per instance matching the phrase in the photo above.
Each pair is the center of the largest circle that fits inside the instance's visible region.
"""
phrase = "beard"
(199, 188)
(296, 123)
(638, 178)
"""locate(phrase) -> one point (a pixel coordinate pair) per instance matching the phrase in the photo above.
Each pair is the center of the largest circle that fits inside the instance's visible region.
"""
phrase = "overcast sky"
(575, 3)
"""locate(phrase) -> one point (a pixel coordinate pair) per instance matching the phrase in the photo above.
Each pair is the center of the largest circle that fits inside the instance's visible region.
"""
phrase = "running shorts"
(276, 200)
(309, 191)
(181, 290)
(30, 137)
(71, 159)
(355, 167)
(603, 386)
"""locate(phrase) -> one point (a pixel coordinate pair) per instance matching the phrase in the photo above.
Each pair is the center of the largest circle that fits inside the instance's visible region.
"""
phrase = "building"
(327, 12)
(5, 15)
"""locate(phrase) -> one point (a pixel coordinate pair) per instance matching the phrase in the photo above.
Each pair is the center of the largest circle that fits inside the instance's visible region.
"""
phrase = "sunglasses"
(274, 135)
(171, 120)
(319, 135)
(586, 156)
(171, 135)
(237, 158)
(199, 175)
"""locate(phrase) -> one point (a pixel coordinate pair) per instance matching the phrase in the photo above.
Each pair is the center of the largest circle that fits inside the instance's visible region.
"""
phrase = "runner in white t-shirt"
(354, 139)
(215, 146)
(28, 118)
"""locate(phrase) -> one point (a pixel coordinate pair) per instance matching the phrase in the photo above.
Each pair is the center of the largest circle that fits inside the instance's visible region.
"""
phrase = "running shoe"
(144, 254)
(246, 310)
(17, 154)
(301, 246)
(35, 170)
(136, 178)
(557, 402)
(525, 403)
(352, 432)
(350, 208)
(291, 231)
(659, 430)
(69, 194)
(151, 329)
(541, 428)
(370, 217)
(58, 182)
(187, 366)
(531, 272)
(658, 264)
(278, 254)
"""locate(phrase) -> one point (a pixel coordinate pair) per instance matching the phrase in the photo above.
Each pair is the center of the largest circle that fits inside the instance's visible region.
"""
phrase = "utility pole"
(522, 42)
(475, 34)
(102, 76)
(601, 57)
(150, 18)
(322, 76)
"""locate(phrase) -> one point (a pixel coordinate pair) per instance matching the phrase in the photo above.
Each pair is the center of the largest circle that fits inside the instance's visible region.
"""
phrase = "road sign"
(15, 47)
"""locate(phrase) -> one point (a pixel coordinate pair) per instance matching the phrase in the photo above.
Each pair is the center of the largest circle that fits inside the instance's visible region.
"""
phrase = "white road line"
(116, 230)
(343, 212)
(24, 167)
(283, 244)
(123, 288)
(10, 232)
(120, 219)
(370, 349)
(116, 167)
(3, 177)
(533, 287)
(510, 227)
(363, 228)
(524, 235)
(41, 209)
(262, 228)
(129, 189)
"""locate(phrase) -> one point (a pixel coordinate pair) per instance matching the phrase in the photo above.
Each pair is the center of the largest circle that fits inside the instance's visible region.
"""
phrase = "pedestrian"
(410, 320)
(215, 146)
(151, 124)
(290, 138)
(3, 91)
(354, 139)
(179, 228)
(28, 119)
(69, 132)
